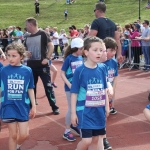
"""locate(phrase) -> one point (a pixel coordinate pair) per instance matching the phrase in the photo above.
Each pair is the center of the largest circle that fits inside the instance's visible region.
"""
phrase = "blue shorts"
(148, 106)
(88, 133)
(11, 120)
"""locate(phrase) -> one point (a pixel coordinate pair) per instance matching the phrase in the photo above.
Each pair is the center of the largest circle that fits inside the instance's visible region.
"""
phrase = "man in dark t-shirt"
(37, 5)
(103, 27)
(40, 49)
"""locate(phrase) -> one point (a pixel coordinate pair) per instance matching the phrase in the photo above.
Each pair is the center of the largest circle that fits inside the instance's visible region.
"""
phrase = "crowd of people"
(89, 72)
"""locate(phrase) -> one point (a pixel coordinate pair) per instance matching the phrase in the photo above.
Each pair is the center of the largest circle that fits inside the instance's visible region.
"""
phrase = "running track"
(127, 130)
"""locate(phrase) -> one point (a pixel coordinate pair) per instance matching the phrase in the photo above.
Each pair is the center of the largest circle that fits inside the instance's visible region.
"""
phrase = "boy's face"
(111, 53)
(95, 52)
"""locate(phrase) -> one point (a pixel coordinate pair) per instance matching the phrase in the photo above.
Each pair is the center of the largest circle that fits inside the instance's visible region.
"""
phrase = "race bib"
(95, 98)
(75, 64)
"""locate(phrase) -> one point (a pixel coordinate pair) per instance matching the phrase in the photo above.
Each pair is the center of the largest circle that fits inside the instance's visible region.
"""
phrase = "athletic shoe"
(54, 85)
(69, 136)
(56, 112)
(149, 96)
(75, 129)
(106, 144)
(113, 111)
(18, 148)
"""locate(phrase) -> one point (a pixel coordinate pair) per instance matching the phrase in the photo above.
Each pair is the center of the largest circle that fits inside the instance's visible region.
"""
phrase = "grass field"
(14, 12)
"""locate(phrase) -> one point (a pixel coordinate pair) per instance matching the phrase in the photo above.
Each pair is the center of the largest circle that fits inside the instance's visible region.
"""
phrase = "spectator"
(135, 45)
(4, 36)
(66, 14)
(86, 30)
(40, 49)
(145, 39)
(55, 41)
(37, 9)
(103, 27)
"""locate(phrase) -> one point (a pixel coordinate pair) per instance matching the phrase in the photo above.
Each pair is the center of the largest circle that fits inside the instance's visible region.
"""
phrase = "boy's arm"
(32, 99)
(74, 118)
(110, 90)
(107, 104)
(114, 86)
(63, 76)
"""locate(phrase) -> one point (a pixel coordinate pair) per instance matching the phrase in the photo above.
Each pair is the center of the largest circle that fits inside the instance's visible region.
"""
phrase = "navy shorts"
(88, 133)
(148, 106)
(11, 120)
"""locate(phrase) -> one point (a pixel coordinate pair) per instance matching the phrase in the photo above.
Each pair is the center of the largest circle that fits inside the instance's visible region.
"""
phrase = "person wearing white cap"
(72, 60)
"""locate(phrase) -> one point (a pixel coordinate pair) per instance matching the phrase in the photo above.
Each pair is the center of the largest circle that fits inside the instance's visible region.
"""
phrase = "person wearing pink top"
(135, 45)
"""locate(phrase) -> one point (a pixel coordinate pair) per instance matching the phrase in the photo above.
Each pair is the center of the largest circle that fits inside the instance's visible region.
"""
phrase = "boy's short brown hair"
(110, 43)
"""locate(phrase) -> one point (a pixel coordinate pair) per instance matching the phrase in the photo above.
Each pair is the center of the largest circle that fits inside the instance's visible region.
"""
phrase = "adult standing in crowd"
(40, 49)
(103, 27)
(145, 39)
(37, 9)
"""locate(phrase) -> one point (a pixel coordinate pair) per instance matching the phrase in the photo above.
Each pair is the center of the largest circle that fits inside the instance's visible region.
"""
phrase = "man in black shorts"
(103, 27)
(37, 5)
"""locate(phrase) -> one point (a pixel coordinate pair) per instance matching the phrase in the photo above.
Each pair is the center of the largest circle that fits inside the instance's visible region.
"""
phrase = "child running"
(89, 100)
(16, 83)
(72, 60)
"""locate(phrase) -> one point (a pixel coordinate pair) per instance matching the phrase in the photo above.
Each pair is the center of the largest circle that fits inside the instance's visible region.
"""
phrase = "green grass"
(14, 12)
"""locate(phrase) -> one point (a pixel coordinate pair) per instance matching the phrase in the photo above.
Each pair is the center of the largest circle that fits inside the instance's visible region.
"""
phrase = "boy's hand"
(32, 112)
(74, 119)
(110, 93)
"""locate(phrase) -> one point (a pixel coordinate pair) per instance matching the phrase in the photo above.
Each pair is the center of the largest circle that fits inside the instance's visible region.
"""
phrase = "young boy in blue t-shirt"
(89, 99)
(112, 67)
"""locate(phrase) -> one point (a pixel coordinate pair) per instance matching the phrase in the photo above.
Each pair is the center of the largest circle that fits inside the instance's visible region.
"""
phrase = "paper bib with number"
(75, 64)
(95, 98)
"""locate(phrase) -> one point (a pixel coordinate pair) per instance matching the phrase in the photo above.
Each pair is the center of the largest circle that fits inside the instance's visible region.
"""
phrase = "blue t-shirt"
(15, 82)
(89, 85)
(112, 68)
(70, 64)
(1, 65)
(125, 45)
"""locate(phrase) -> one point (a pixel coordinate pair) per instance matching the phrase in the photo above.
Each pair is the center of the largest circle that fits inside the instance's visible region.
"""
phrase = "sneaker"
(113, 111)
(54, 85)
(149, 96)
(75, 129)
(19, 148)
(56, 112)
(106, 144)
(69, 136)
(144, 69)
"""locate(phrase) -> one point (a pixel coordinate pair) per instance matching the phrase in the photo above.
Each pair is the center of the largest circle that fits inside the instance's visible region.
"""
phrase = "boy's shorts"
(148, 106)
(88, 133)
(11, 120)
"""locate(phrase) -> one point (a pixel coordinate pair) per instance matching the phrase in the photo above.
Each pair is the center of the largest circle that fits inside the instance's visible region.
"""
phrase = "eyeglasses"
(95, 9)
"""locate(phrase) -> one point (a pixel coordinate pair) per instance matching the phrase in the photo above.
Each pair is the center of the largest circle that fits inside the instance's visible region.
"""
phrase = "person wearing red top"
(73, 33)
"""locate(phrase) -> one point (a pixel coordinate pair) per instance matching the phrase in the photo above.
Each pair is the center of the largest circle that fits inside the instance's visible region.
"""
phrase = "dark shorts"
(11, 120)
(88, 133)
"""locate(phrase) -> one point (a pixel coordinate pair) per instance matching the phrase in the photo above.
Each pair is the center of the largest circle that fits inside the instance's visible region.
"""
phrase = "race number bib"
(111, 75)
(95, 98)
(75, 64)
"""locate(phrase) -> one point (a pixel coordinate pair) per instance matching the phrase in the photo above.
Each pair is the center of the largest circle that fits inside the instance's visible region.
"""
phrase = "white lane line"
(134, 117)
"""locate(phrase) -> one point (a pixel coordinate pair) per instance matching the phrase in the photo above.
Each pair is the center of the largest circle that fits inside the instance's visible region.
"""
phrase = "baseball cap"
(77, 42)
(137, 26)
